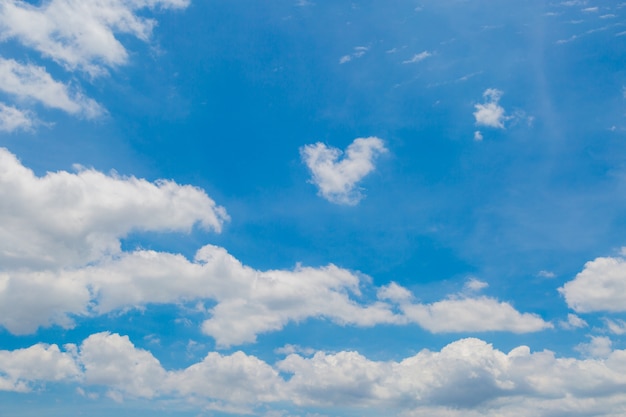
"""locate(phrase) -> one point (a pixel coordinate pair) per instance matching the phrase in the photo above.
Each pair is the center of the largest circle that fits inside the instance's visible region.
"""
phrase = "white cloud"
(573, 322)
(467, 377)
(616, 326)
(79, 35)
(113, 361)
(474, 284)
(359, 51)
(30, 82)
(249, 301)
(477, 314)
(70, 219)
(598, 347)
(22, 369)
(13, 119)
(478, 136)
(236, 378)
(546, 274)
(60, 255)
(337, 179)
(417, 57)
(600, 286)
(490, 113)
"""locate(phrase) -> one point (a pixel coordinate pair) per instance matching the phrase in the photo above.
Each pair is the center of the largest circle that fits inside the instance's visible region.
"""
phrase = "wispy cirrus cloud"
(417, 58)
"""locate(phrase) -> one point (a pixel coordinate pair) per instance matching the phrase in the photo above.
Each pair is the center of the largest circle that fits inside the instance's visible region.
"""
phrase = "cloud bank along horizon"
(402, 190)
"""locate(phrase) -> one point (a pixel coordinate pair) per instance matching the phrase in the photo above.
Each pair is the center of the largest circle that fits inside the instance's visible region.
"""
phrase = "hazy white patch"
(590, 10)
(417, 57)
(475, 285)
(345, 58)
(13, 119)
(34, 83)
(359, 51)
(546, 274)
(608, 16)
(478, 136)
(600, 286)
(290, 349)
(573, 322)
(337, 179)
(598, 347)
(615, 326)
(490, 113)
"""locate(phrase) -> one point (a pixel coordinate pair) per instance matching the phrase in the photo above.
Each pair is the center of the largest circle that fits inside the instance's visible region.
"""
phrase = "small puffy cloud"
(30, 82)
(336, 177)
(13, 119)
(600, 286)
(573, 322)
(478, 136)
(490, 113)
(417, 58)
(79, 35)
(474, 284)
(546, 274)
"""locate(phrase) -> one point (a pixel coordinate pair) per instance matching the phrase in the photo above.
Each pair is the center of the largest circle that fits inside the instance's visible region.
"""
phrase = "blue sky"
(307, 209)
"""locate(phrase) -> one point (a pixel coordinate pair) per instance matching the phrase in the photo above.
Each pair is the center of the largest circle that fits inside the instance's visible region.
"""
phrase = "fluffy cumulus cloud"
(600, 286)
(77, 34)
(22, 369)
(70, 219)
(490, 113)
(466, 377)
(336, 177)
(60, 254)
